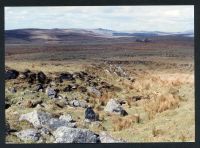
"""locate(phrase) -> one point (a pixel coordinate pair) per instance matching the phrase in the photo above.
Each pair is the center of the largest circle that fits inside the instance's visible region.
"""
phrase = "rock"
(55, 123)
(53, 93)
(44, 131)
(41, 119)
(41, 77)
(22, 76)
(75, 135)
(105, 138)
(11, 74)
(94, 91)
(114, 106)
(66, 76)
(29, 135)
(38, 119)
(78, 103)
(74, 103)
(67, 118)
(90, 114)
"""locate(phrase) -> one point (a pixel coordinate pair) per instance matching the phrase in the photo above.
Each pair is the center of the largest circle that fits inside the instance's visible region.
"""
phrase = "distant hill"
(41, 36)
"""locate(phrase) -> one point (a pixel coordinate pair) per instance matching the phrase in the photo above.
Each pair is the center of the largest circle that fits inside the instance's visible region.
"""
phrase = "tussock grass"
(121, 123)
(161, 103)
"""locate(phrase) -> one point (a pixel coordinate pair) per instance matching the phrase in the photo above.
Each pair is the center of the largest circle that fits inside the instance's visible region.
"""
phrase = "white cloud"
(161, 18)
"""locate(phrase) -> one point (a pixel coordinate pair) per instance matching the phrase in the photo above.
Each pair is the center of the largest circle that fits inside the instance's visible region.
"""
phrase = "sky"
(119, 18)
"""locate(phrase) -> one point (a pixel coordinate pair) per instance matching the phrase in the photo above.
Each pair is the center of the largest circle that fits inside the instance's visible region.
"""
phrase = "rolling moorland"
(98, 86)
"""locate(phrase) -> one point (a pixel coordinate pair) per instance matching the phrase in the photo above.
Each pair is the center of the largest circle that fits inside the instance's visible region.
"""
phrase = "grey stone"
(74, 103)
(114, 106)
(51, 92)
(75, 135)
(29, 135)
(54, 123)
(67, 118)
(78, 103)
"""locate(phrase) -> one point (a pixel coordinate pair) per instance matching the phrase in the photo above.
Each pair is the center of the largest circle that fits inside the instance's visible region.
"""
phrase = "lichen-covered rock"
(114, 106)
(75, 135)
(29, 135)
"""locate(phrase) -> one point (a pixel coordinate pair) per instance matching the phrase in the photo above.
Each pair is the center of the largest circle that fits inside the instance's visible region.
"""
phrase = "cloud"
(161, 18)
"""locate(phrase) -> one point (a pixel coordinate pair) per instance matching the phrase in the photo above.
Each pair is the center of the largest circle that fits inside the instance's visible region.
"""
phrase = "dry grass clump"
(104, 98)
(125, 122)
(161, 103)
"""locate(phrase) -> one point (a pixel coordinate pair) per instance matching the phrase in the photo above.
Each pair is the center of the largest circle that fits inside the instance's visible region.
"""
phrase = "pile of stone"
(63, 129)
